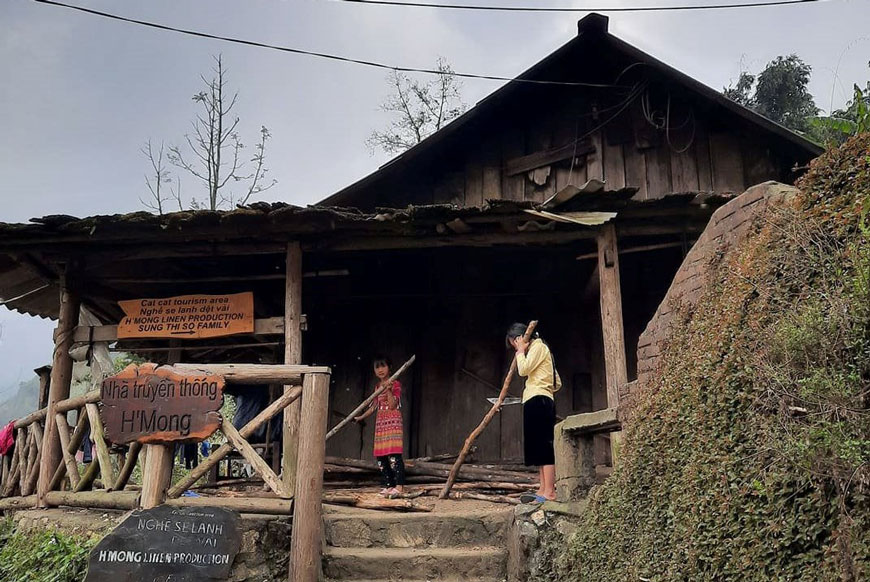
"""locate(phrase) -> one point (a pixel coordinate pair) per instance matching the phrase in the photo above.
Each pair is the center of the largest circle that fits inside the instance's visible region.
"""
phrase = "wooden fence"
(20, 470)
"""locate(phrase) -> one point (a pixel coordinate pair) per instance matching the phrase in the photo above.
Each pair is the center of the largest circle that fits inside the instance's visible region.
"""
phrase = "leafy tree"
(420, 109)
(213, 154)
(844, 123)
(779, 92)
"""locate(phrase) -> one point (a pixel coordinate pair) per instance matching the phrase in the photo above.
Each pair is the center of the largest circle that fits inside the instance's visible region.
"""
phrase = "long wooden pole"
(370, 399)
(226, 448)
(58, 389)
(612, 329)
(306, 541)
(292, 355)
(454, 472)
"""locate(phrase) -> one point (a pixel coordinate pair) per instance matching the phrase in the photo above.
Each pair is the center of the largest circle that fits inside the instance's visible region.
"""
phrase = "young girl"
(535, 362)
(388, 430)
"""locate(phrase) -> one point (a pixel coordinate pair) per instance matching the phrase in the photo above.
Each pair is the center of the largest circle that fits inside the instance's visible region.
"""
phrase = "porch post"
(612, 329)
(292, 355)
(306, 542)
(158, 460)
(58, 389)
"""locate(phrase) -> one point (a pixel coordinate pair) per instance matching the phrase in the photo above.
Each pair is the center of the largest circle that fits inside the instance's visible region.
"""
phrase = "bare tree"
(159, 181)
(420, 109)
(213, 153)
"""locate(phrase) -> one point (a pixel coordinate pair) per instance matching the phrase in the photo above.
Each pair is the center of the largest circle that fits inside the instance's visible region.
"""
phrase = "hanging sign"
(187, 316)
(168, 544)
(153, 404)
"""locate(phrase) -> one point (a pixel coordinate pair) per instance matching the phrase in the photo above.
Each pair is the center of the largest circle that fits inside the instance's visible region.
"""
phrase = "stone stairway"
(456, 546)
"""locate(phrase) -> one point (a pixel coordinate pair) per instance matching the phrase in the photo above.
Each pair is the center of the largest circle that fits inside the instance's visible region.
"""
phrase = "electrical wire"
(672, 8)
(328, 56)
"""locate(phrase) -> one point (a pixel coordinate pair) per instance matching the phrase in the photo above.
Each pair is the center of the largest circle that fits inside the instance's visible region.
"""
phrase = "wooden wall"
(699, 151)
(451, 307)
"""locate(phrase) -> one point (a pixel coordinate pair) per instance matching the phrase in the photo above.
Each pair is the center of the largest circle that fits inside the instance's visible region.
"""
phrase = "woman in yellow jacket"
(535, 363)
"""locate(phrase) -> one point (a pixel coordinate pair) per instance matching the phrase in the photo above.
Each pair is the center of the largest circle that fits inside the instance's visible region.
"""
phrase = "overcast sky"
(80, 94)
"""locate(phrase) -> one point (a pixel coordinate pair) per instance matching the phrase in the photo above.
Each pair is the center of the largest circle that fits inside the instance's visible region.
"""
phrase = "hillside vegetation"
(749, 456)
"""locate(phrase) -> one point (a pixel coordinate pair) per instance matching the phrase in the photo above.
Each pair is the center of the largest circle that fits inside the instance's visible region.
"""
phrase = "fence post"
(58, 389)
(305, 544)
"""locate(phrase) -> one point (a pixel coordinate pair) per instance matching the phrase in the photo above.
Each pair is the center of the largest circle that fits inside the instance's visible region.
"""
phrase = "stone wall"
(728, 225)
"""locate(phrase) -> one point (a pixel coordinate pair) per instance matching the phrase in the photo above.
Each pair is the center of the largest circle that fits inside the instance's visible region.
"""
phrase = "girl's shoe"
(393, 493)
(384, 492)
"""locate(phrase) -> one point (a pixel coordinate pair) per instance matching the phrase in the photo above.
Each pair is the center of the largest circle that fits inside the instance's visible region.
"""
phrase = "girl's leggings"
(393, 470)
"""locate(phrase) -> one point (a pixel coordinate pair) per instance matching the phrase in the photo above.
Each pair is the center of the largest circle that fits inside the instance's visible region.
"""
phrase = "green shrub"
(43, 556)
(749, 456)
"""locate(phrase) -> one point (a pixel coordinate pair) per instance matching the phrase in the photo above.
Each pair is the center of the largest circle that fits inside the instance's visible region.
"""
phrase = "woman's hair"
(517, 330)
(382, 358)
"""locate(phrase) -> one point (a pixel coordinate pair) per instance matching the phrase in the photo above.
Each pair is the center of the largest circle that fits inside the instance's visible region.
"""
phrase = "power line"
(328, 56)
(578, 9)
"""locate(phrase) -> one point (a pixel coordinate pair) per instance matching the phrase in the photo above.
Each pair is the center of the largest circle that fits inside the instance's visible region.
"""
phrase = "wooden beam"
(61, 375)
(225, 449)
(76, 439)
(306, 538)
(157, 475)
(256, 461)
(640, 249)
(109, 333)
(94, 499)
(241, 504)
(292, 355)
(592, 422)
(547, 157)
(257, 373)
(65, 406)
(613, 332)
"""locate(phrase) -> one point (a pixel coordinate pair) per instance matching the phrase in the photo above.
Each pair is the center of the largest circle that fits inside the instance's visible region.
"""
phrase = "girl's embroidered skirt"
(388, 433)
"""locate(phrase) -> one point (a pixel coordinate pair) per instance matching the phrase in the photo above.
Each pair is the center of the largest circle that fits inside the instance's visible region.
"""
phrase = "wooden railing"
(20, 469)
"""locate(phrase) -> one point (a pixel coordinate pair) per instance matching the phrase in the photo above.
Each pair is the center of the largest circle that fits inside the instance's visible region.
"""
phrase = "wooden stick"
(256, 373)
(88, 478)
(484, 497)
(12, 478)
(256, 461)
(68, 459)
(103, 456)
(226, 448)
(370, 399)
(25, 460)
(454, 472)
(129, 464)
(35, 451)
(77, 437)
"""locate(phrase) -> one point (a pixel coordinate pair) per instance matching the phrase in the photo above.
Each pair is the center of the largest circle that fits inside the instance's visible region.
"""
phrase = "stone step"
(417, 530)
(407, 564)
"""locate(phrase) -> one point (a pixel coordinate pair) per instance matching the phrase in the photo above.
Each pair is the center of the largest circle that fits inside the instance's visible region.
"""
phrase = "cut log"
(454, 472)
(94, 499)
(240, 504)
(365, 403)
(378, 503)
(9, 503)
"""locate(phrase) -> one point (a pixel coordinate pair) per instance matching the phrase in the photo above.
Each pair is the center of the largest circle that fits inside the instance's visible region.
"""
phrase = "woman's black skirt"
(539, 420)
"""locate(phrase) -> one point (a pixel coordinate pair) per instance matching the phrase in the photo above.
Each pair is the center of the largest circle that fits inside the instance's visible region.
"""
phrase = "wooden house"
(569, 196)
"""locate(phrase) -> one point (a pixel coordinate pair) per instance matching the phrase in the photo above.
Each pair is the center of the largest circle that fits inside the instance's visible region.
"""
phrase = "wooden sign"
(158, 405)
(175, 544)
(187, 316)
